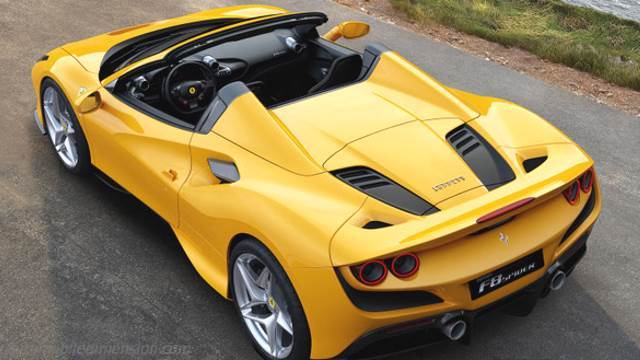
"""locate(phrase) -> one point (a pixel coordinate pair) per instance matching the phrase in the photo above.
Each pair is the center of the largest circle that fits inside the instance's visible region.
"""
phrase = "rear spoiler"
(352, 244)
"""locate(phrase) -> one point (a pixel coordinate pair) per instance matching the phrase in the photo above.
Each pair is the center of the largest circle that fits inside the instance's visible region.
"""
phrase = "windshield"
(155, 42)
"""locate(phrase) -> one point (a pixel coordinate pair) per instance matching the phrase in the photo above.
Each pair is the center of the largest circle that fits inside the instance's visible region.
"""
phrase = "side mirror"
(348, 30)
(90, 103)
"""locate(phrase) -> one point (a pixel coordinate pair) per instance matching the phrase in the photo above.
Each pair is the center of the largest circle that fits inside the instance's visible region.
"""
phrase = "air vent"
(363, 178)
(376, 225)
(481, 157)
(464, 141)
(531, 164)
(384, 189)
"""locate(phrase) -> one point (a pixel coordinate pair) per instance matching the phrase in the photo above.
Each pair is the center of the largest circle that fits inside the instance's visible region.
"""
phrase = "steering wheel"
(190, 87)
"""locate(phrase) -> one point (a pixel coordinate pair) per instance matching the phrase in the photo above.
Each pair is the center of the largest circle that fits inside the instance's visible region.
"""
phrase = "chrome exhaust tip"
(454, 330)
(557, 280)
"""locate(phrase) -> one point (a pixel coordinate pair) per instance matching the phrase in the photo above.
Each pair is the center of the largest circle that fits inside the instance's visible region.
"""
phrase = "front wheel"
(63, 129)
(267, 303)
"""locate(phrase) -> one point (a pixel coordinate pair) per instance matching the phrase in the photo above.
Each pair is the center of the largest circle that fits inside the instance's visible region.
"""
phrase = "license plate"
(505, 275)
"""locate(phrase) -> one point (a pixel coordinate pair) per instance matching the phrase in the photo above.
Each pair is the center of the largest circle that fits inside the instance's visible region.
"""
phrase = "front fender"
(74, 80)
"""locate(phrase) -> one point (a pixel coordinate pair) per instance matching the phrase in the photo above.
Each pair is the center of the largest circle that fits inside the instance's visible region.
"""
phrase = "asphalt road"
(88, 272)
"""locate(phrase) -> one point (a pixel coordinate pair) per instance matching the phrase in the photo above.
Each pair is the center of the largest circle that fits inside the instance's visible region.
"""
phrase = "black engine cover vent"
(481, 157)
(531, 164)
(384, 189)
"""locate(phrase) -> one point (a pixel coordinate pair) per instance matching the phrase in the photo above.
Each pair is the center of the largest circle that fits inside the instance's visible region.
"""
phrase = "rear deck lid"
(415, 155)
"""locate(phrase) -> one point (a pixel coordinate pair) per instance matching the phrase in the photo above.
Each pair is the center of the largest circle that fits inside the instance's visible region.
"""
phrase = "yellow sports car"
(348, 203)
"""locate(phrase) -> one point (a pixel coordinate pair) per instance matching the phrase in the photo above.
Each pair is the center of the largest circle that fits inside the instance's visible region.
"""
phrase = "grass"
(584, 39)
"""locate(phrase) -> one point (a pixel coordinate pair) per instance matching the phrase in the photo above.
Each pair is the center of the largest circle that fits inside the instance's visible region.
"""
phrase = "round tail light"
(586, 181)
(405, 265)
(372, 272)
(572, 193)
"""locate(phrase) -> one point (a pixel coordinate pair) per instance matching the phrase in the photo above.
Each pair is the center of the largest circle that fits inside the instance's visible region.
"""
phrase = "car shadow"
(122, 283)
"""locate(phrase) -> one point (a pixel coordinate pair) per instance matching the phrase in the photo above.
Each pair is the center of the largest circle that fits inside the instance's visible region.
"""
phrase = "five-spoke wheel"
(63, 128)
(267, 303)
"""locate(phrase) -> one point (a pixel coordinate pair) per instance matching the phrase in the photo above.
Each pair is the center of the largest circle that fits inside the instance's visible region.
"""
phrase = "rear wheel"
(267, 303)
(63, 128)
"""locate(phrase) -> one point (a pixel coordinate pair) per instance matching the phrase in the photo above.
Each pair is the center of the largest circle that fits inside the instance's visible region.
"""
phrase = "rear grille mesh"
(384, 189)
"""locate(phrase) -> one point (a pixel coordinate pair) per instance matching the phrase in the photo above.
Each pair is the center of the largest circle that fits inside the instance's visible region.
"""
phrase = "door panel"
(147, 157)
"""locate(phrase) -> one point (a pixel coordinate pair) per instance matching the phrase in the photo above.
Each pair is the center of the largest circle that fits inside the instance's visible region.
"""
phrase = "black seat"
(344, 69)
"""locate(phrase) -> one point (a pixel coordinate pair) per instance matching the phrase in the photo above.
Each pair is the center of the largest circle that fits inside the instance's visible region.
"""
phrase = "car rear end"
(472, 203)
(508, 247)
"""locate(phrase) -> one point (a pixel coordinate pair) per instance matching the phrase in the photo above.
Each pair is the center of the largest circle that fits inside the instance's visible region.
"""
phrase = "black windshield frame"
(246, 30)
(117, 57)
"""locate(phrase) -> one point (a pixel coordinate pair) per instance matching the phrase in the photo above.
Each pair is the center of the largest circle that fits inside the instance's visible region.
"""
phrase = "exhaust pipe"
(557, 280)
(454, 330)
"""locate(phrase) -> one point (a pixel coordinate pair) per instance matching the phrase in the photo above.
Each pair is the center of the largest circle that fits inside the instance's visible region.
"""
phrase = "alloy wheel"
(60, 127)
(262, 306)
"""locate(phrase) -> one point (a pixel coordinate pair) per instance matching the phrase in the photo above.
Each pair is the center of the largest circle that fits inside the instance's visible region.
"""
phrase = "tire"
(63, 129)
(281, 302)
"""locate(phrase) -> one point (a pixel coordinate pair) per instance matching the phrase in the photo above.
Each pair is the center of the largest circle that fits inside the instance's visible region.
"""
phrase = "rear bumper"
(424, 332)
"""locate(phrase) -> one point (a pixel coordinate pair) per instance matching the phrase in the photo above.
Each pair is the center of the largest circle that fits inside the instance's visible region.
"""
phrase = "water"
(628, 9)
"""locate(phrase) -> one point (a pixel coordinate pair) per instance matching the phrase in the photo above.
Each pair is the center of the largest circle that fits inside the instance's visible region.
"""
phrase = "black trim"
(43, 58)
(231, 91)
(408, 336)
(377, 301)
(376, 225)
(481, 157)
(371, 53)
(219, 105)
(246, 30)
(108, 65)
(384, 189)
(531, 164)
(582, 216)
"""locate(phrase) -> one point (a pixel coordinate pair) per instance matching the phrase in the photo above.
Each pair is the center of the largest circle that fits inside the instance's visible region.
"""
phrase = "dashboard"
(277, 66)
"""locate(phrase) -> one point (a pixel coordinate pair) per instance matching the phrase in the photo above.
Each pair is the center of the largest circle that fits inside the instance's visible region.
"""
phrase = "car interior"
(278, 66)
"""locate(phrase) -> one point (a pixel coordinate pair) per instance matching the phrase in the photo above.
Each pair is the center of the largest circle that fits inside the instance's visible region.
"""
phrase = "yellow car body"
(396, 121)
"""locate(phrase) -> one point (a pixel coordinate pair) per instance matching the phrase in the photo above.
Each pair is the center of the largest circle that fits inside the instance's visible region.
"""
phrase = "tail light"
(586, 181)
(372, 272)
(405, 265)
(572, 193)
(375, 272)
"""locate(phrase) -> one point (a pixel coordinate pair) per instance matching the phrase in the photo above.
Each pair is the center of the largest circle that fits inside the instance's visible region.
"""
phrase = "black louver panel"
(384, 189)
(481, 157)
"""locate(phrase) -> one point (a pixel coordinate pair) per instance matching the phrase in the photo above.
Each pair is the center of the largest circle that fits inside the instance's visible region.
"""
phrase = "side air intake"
(384, 189)
(481, 157)
(531, 164)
